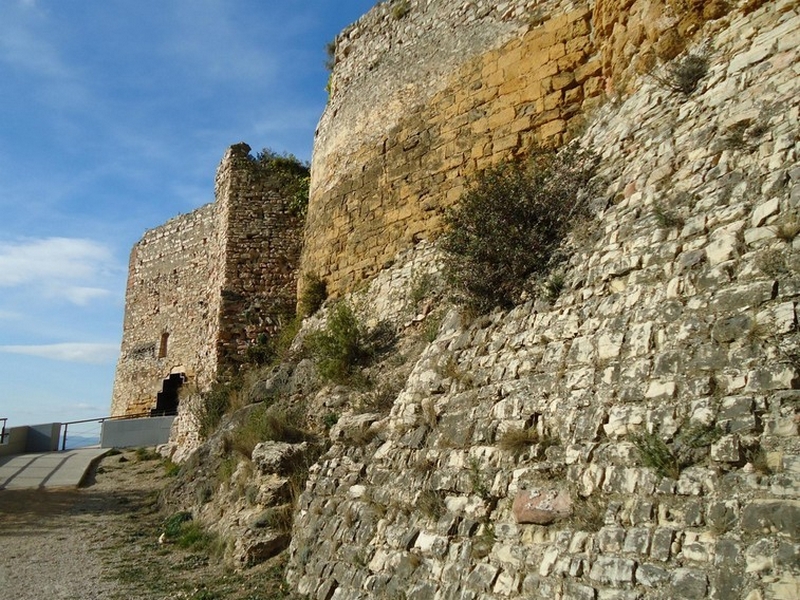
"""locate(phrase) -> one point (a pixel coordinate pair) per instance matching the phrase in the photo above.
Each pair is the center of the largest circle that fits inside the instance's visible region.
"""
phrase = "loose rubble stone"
(278, 457)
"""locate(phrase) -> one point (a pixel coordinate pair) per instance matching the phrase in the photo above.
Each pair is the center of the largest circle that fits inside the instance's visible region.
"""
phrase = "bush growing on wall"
(345, 345)
(314, 293)
(290, 174)
(684, 73)
(340, 347)
(509, 225)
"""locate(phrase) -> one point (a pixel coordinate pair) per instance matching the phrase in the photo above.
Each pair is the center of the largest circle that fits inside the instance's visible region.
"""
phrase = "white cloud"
(68, 268)
(91, 353)
(84, 295)
(85, 407)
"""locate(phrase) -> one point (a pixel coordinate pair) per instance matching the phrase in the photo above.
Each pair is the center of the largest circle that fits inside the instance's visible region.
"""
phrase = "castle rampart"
(204, 286)
(415, 110)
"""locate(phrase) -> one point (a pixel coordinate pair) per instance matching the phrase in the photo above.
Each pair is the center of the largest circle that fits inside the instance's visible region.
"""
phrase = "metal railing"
(99, 421)
(3, 433)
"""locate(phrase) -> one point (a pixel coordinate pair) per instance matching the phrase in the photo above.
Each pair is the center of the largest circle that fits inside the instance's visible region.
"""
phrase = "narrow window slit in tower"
(162, 348)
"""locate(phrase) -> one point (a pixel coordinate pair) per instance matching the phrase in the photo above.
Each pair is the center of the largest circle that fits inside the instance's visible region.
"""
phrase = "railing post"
(64, 440)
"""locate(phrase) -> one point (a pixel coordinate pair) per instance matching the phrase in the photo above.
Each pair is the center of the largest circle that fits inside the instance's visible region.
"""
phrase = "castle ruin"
(203, 288)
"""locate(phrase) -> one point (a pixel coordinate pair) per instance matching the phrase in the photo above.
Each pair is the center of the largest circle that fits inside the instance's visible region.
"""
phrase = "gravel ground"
(101, 542)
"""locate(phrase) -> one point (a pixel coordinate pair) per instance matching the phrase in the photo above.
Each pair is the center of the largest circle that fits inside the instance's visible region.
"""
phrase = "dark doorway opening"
(167, 398)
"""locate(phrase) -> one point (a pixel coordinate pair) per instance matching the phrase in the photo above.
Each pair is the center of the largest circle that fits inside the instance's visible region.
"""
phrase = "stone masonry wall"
(213, 281)
(678, 319)
(174, 274)
(420, 102)
(262, 248)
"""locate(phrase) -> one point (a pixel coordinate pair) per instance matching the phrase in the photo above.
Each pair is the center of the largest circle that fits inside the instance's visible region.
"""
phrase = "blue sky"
(113, 117)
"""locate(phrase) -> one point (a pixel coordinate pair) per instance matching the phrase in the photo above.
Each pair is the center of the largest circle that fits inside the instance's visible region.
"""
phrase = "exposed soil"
(102, 542)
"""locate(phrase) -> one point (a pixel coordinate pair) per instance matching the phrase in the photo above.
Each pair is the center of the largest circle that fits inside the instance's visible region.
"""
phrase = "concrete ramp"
(47, 469)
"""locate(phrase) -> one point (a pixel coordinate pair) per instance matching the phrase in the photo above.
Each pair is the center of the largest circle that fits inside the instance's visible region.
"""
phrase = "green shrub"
(690, 446)
(432, 325)
(330, 419)
(422, 287)
(554, 285)
(171, 469)
(330, 54)
(345, 344)
(509, 225)
(667, 218)
(261, 352)
(193, 536)
(698, 436)
(212, 407)
(174, 523)
(270, 349)
(268, 424)
(477, 480)
(314, 293)
(657, 455)
(338, 348)
(684, 73)
(290, 175)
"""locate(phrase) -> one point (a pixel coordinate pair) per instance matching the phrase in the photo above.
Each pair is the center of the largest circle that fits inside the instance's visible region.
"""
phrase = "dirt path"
(101, 542)
(52, 542)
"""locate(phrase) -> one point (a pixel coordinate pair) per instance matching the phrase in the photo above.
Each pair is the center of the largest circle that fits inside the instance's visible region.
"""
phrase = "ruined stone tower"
(204, 286)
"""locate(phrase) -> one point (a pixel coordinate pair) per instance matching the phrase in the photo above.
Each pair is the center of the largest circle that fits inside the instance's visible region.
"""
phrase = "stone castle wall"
(421, 101)
(174, 276)
(678, 319)
(262, 243)
(204, 286)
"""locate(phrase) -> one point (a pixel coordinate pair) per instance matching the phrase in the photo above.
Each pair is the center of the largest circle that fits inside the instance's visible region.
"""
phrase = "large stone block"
(772, 516)
(611, 570)
(542, 506)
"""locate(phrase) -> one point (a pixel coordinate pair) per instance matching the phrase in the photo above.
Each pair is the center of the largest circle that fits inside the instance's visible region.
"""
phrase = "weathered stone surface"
(726, 449)
(682, 332)
(278, 457)
(731, 328)
(691, 584)
(615, 571)
(255, 549)
(722, 249)
(542, 507)
(779, 516)
(661, 546)
(652, 576)
(352, 427)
